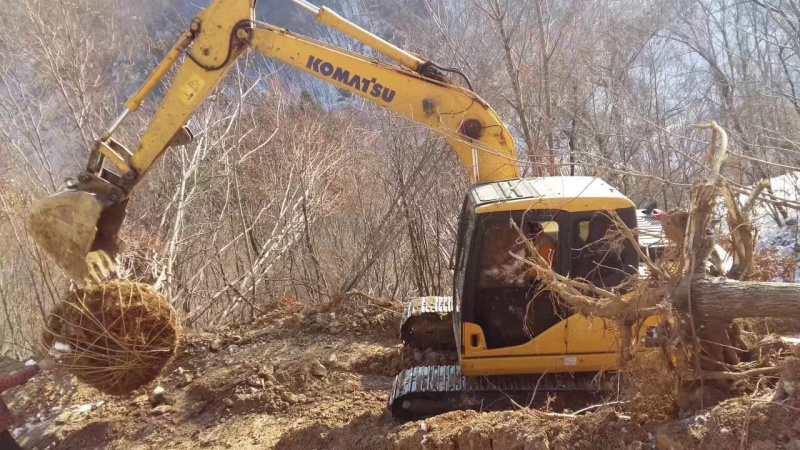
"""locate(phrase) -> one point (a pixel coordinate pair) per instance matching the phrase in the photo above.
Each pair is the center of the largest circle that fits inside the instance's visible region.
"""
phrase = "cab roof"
(571, 194)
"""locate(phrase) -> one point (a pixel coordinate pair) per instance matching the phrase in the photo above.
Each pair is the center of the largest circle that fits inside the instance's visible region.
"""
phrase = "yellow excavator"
(512, 338)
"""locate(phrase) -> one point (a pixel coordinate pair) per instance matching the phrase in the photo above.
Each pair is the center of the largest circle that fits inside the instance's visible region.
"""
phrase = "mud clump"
(386, 362)
(115, 336)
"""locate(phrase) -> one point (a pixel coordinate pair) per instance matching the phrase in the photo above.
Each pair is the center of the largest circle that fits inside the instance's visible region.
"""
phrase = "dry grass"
(650, 387)
(121, 334)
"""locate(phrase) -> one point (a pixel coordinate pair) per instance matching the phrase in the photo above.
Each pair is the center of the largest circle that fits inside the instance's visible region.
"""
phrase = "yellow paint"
(439, 106)
(563, 204)
(210, 46)
(114, 156)
(594, 341)
(449, 105)
(446, 106)
(152, 81)
(189, 91)
(536, 364)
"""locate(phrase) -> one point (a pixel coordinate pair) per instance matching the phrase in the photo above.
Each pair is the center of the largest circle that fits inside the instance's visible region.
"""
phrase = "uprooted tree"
(703, 341)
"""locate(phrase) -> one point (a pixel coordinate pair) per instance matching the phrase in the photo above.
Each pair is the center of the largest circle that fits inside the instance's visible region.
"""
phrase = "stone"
(318, 370)
(289, 398)
(227, 402)
(160, 410)
(64, 418)
(207, 439)
(159, 396)
(216, 344)
(266, 370)
(255, 382)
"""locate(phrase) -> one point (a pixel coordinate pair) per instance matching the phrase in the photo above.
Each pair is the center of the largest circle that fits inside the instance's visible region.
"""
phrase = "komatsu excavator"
(513, 338)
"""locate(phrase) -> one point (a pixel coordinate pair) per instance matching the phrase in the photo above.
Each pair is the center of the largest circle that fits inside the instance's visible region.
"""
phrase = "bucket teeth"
(65, 226)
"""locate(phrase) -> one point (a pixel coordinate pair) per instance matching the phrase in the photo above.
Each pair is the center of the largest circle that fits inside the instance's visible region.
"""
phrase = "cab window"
(503, 252)
(596, 250)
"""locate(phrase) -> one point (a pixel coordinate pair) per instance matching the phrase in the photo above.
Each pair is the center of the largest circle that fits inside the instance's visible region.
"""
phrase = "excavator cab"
(502, 307)
(512, 335)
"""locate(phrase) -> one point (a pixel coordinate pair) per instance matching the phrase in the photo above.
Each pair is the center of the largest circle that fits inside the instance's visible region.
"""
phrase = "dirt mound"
(523, 429)
(358, 315)
(746, 422)
(115, 336)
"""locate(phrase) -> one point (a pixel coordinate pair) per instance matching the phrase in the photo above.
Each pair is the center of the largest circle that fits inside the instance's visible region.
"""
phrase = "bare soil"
(312, 378)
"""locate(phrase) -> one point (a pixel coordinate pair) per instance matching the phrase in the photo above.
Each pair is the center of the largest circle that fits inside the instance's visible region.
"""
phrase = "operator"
(13, 380)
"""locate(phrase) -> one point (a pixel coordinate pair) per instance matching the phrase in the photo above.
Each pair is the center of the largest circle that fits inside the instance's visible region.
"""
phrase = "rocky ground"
(317, 378)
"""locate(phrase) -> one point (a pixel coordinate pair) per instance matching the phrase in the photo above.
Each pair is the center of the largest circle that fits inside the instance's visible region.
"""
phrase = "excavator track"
(422, 392)
(427, 322)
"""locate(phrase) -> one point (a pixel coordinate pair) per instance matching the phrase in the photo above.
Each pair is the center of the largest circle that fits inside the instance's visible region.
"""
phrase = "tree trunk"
(544, 50)
(721, 300)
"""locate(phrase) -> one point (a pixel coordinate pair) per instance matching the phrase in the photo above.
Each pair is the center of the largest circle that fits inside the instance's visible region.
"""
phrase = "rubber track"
(427, 305)
(427, 323)
(447, 389)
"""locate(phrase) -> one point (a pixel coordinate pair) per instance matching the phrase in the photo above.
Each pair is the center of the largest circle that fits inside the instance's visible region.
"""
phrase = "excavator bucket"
(74, 228)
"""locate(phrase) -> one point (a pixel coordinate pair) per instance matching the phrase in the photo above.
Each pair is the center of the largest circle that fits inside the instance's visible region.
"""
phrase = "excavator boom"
(81, 222)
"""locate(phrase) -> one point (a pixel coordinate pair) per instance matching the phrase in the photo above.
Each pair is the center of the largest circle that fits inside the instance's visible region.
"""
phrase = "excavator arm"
(78, 226)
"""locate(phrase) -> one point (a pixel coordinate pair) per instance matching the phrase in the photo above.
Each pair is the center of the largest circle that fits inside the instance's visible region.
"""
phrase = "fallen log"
(719, 299)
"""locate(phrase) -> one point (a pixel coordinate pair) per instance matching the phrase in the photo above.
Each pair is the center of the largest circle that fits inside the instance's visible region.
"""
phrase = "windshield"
(504, 252)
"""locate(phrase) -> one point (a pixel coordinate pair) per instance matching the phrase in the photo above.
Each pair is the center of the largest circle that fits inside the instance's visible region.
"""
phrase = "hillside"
(305, 378)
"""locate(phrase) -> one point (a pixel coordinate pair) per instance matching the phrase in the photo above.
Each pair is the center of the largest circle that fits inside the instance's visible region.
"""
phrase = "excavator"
(513, 338)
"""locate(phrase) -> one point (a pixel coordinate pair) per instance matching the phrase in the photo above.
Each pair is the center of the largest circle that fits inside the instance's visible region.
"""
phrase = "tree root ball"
(115, 336)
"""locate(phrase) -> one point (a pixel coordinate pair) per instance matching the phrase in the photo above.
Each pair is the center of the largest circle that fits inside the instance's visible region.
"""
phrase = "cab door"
(464, 238)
